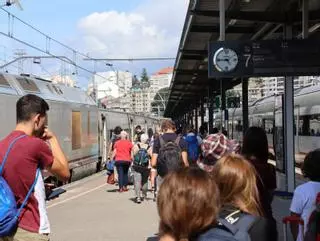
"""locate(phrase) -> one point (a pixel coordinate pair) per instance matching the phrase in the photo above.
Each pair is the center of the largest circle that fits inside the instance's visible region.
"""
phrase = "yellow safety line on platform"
(77, 196)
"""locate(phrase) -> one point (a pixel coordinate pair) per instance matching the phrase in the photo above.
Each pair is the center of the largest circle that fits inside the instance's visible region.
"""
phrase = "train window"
(28, 84)
(76, 130)
(3, 81)
(309, 125)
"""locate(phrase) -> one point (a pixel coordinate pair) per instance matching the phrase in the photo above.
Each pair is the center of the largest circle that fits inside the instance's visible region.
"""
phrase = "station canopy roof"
(245, 20)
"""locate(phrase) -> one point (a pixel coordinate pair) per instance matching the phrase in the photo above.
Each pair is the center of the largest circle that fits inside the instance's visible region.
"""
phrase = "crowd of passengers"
(208, 186)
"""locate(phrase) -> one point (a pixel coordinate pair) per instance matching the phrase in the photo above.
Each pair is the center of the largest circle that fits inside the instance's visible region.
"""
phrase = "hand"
(47, 134)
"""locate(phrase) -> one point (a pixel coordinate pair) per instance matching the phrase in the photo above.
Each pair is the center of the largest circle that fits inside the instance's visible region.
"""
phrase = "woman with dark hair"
(304, 198)
(255, 149)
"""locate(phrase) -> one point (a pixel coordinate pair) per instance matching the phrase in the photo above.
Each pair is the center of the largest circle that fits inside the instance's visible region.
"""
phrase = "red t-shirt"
(20, 170)
(123, 150)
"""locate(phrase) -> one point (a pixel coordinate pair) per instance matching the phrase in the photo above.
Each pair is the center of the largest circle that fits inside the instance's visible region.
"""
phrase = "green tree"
(144, 76)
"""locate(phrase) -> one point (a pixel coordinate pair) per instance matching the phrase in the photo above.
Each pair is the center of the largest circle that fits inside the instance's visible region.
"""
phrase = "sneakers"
(138, 200)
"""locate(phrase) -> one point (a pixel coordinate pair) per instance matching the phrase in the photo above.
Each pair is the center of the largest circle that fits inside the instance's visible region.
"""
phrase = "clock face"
(225, 60)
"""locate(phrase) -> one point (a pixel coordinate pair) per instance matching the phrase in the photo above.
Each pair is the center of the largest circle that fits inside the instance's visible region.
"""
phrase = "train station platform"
(91, 210)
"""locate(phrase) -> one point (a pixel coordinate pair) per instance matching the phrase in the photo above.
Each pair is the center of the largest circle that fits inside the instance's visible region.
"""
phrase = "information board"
(265, 58)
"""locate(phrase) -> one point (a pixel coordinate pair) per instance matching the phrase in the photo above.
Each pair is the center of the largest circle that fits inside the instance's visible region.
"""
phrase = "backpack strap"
(162, 142)
(177, 141)
(34, 183)
(138, 145)
(8, 151)
(244, 223)
(232, 228)
(28, 194)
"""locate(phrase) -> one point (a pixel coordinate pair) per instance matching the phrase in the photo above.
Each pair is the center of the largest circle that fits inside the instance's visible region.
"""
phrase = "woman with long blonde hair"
(236, 180)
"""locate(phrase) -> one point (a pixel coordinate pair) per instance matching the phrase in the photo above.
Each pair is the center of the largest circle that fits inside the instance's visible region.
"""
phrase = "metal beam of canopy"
(259, 16)
(215, 29)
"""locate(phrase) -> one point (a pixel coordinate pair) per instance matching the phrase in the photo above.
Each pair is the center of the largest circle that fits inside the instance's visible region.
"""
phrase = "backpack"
(226, 231)
(193, 147)
(9, 213)
(142, 158)
(169, 157)
(313, 228)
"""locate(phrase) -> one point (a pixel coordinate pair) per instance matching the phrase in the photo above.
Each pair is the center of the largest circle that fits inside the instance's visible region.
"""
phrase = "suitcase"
(289, 220)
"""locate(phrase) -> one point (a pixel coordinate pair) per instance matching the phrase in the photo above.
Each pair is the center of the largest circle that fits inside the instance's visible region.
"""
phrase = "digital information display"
(229, 59)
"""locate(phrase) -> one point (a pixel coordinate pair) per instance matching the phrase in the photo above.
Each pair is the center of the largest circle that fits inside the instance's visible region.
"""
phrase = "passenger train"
(267, 113)
(83, 130)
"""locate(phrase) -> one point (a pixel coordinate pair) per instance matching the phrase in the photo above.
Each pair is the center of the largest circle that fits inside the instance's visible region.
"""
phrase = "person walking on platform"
(305, 195)
(122, 156)
(256, 150)
(213, 147)
(141, 162)
(236, 180)
(115, 137)
(24, 153)
(194, 141)
(188, 204)
(169, 152)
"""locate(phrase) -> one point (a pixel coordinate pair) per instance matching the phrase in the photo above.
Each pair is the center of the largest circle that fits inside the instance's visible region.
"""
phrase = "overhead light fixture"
(232, 22)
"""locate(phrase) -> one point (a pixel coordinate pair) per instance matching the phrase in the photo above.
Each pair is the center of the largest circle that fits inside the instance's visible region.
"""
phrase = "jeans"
(122, 169)
(140, 176)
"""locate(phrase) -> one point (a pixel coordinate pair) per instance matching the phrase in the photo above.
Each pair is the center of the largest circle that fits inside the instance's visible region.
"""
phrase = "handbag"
(110, 179)
(110, 166)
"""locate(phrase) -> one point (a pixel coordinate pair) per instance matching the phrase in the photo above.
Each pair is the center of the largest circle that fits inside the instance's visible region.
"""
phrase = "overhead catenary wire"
(10, 35)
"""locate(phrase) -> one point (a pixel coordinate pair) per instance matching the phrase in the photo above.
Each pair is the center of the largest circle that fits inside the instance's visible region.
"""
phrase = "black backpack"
(169, 157)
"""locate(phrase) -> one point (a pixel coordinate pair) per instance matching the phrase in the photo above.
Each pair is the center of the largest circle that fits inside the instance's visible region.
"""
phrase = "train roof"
(26, 84)
(307, 90)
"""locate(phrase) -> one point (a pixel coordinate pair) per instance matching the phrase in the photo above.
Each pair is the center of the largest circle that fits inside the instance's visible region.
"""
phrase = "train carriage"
(83, 130)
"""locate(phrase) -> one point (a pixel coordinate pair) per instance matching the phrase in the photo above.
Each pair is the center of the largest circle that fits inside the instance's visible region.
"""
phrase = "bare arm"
(154, 160)
(294, 227)
(184, 155)
(114, 153)
(110, 151)
(60, 165)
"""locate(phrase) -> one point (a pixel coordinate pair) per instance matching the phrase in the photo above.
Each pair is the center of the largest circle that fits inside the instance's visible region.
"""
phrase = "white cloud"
(152, 29)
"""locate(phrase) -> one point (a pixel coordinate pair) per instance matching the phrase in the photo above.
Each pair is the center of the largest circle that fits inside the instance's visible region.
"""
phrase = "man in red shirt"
(40, 148)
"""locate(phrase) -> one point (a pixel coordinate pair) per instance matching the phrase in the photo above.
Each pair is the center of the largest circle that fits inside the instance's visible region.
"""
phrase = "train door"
(104, 139)
(278, 132)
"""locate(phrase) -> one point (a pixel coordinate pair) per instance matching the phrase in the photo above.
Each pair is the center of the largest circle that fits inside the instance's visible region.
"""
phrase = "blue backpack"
(142, 158)
(9, 213)
(193, 147)
(230, 232)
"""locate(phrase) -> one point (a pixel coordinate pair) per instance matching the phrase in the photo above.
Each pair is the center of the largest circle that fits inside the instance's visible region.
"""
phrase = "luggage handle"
(292, 219)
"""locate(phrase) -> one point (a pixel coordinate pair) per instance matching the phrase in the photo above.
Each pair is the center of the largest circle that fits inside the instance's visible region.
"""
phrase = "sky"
(99, 28)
